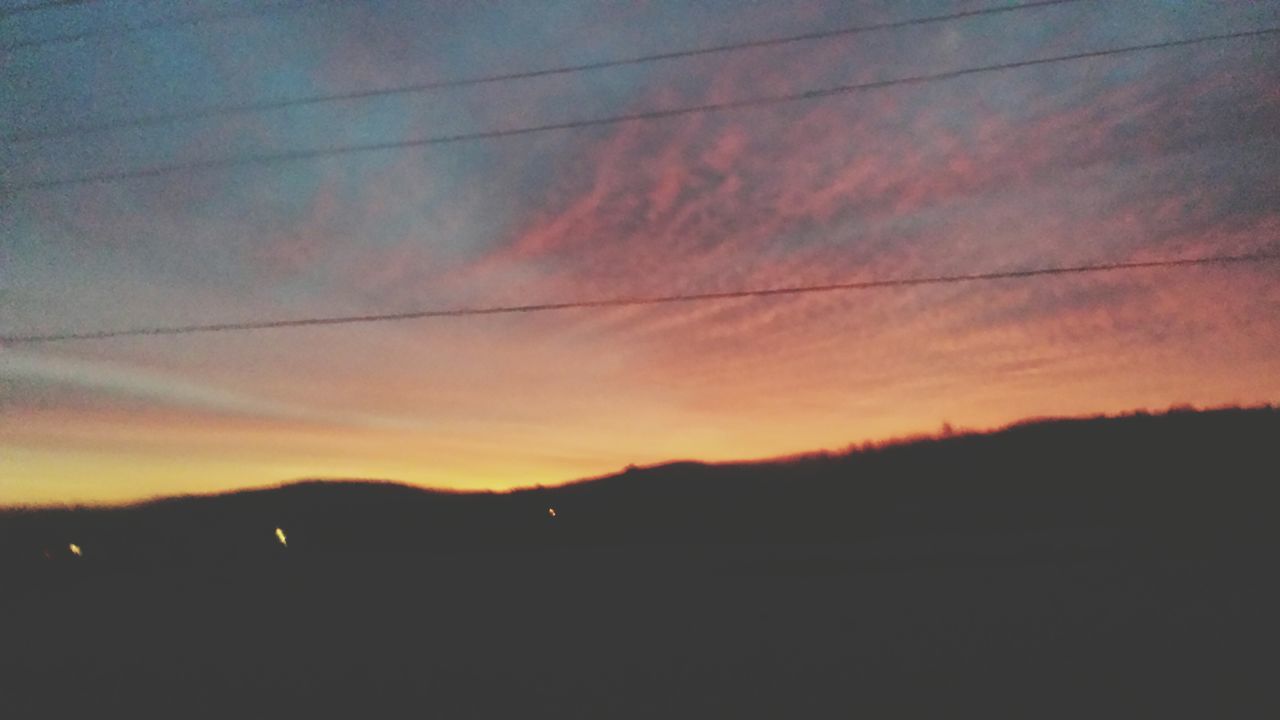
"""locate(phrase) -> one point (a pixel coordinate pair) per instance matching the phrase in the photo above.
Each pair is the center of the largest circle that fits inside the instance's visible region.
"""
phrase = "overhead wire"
(161, 23)
(41, 6)
(258, 106)
(271, 158)
(853, 285)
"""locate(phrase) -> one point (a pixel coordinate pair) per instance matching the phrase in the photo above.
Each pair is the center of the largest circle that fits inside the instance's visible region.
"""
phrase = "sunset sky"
(1163, 154)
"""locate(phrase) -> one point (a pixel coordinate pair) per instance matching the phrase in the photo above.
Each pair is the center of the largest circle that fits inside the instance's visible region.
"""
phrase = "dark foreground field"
(1106, 568)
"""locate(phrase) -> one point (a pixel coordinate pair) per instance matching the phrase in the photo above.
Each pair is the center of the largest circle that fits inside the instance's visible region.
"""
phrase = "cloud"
(1151, 155)
(912, 181)
(114, 383)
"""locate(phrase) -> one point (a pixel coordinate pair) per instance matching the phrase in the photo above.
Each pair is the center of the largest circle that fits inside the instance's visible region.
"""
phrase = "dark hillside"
(1104, 567)
(1182, 474)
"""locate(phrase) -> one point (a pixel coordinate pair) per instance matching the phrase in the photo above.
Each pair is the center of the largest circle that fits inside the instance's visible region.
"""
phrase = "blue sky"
(1162, 154)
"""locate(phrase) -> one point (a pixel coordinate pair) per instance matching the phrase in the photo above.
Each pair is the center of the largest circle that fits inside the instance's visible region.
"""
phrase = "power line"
(651, 300)
(36, 7)
(420, 87)
(158, 24)
(293, 155)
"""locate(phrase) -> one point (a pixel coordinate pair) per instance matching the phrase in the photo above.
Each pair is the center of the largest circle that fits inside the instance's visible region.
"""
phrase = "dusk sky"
(1164, 154)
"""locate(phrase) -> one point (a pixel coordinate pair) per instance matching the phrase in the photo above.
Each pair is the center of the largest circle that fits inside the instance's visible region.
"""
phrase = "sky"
(1165, 154)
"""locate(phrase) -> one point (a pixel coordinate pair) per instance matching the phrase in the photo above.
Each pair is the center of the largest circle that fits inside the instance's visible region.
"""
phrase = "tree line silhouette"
(1182, 473)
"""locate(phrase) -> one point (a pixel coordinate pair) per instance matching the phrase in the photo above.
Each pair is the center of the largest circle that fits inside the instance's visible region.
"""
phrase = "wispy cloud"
(1151, 155)
(111, 381)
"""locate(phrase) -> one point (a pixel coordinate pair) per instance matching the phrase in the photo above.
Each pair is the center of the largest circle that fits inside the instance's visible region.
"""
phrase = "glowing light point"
(551, 512)
(75, 549)
(280, 536)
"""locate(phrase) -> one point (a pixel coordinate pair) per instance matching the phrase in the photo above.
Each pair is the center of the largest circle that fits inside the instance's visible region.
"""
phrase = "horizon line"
(851, 449)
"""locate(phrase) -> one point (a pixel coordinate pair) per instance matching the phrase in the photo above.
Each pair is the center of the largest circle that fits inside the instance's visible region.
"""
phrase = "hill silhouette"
(1058, 568)
(1185, 473)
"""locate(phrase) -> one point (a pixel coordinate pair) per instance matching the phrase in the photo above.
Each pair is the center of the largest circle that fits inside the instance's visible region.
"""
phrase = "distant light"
(75, 549)
(280, 535)
(551, 512)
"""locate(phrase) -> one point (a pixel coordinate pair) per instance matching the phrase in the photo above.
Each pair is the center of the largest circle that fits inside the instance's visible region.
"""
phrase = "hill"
(1058, 568)
(1183, 473)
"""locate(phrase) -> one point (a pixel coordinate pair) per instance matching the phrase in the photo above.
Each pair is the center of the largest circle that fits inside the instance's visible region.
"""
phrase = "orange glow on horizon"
(1010, 171)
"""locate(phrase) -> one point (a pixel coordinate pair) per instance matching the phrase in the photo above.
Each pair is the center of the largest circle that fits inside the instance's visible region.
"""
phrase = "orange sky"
(1160, 156)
